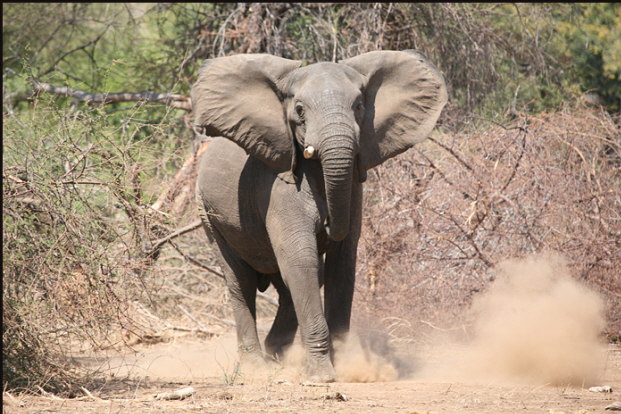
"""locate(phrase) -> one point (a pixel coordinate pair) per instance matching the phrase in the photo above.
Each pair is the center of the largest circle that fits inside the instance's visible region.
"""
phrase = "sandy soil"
(425, 383)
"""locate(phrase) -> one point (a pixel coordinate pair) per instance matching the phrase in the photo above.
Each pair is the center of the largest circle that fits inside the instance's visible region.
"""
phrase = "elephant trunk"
(337, 160)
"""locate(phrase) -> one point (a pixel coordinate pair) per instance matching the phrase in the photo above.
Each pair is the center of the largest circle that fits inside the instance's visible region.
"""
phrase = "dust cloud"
(535, 324)
(355, 361)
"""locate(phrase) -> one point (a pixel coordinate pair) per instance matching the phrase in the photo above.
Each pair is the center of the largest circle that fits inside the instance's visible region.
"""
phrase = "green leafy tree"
(589, 42)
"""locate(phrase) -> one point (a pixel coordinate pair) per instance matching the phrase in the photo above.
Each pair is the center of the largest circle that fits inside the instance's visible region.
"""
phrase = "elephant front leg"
(304, 287)
(299, 266)
(340, 277)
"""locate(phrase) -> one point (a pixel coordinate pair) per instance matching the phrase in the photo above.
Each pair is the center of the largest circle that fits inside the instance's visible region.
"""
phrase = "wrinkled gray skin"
(278, 217)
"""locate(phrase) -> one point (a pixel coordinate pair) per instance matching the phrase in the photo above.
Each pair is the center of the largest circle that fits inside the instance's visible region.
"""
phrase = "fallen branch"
(91, 396)
(47, 394)
(12, 400)
(173, 100)
(192, 330)
(175, 395)
(615, 406)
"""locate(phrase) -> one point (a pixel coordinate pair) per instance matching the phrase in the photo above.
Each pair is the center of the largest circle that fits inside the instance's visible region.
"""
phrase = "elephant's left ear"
(404, 97)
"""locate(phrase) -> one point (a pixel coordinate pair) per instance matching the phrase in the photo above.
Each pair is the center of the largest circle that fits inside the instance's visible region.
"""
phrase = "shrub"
(438, 219)
(76, 232)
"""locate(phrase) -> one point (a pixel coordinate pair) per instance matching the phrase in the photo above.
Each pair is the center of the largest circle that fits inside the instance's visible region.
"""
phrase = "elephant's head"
(355, 113)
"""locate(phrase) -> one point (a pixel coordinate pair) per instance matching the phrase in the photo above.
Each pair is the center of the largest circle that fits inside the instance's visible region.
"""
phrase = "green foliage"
(589, 40)
(532, 57)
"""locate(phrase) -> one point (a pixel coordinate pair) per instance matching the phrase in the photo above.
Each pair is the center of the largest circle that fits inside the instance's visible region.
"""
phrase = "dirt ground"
(531, 343)
(407, 378)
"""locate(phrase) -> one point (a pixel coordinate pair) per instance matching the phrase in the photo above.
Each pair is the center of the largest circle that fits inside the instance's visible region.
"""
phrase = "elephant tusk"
(309, 152)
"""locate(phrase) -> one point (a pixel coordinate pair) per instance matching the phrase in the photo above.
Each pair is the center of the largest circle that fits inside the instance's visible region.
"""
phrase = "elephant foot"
(276, 352)
(257, 363)
(251, 357)
(320, 370)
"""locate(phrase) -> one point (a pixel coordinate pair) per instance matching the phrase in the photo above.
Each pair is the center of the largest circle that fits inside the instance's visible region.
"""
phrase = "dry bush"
(90, 264)
(76, 240)
(27, 360)
(438, 218)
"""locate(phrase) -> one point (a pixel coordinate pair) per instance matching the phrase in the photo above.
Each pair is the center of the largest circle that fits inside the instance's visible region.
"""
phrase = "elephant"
(279, 191)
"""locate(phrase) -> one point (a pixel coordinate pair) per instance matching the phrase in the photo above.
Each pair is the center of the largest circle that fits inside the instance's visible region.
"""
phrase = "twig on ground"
(13, 400)
(175, 395)
(47, 394)
(89, 395)
(192, 330)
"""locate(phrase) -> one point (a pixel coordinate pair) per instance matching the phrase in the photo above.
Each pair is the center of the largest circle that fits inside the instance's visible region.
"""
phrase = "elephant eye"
(359, 107)
(299, 109)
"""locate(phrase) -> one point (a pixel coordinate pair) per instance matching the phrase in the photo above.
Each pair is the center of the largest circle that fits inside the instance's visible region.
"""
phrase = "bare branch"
(174, 100)
(81, 47)
(159, 243)
(189, 315)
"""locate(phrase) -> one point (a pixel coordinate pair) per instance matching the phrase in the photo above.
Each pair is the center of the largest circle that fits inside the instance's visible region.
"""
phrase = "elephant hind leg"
(242, 283)
(285, 325)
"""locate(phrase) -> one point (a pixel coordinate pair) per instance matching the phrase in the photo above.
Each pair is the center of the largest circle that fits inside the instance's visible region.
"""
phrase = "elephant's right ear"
(239, 97)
